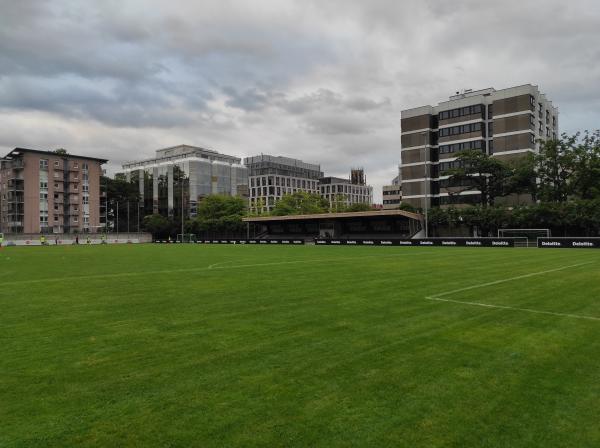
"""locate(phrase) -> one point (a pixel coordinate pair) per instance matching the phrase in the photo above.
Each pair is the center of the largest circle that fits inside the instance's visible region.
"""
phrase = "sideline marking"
(204, 268)
(438, 297)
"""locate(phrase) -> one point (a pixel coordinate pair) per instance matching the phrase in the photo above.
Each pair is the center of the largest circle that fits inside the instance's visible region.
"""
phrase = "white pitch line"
(518, 277)
(212, 267)
(529, 310)
(437, 297)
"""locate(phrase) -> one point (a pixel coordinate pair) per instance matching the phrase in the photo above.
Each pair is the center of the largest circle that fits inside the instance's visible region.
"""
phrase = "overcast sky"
(323, 80)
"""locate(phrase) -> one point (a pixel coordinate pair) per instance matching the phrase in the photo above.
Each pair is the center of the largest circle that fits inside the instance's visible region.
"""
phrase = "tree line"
(562, 183)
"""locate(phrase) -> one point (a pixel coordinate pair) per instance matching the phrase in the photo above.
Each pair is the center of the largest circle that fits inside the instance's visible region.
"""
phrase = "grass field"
(182, 345)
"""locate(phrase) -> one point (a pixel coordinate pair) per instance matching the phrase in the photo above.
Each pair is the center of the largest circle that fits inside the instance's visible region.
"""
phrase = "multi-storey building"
(272, 177)
(173, 182)
(392, 194)
(345, 192)
(504, 123)
(49, 192)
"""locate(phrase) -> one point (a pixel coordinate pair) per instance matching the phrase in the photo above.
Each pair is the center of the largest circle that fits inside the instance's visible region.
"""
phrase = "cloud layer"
(321, 81)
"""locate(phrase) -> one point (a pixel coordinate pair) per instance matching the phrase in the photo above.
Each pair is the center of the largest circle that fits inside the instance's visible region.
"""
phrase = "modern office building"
(173, 182)
(346, 192)
(49, 192)
(271, 177)
(504, 123)
(392, 194)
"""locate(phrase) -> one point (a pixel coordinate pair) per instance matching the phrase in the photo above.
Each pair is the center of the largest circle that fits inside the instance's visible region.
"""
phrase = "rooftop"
(175, 153)
(346, 215)
(19, 151)
(265, 158)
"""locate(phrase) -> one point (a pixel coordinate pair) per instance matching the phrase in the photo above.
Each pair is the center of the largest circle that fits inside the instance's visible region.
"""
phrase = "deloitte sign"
(448, 242)
(569, 243)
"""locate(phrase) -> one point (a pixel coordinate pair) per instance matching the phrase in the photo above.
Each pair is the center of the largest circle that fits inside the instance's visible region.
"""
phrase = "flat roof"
(369, 214)
(52, 153)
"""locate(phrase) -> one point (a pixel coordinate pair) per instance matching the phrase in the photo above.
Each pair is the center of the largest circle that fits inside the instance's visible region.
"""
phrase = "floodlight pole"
(181, 182)
(117, 221)
(424, 134)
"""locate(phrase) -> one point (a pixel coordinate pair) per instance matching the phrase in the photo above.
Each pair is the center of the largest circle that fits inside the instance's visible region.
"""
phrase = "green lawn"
(183, 345)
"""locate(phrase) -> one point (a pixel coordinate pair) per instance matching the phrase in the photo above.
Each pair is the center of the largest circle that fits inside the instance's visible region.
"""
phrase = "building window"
(56, 164)
(461, 112)
(43, 164)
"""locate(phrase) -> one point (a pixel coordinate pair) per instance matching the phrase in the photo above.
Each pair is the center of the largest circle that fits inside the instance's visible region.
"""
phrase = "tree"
(585, 178)
(124, 196)
(61, 151)
(479, 171)
(219, 214)
(300, 203)
(407, 207)
(159, 226)
(523, 178)
(338, 204)
(554, 166)
(359, 207)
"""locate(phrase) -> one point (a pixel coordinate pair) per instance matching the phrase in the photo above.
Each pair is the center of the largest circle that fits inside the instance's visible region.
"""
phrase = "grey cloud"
(321, 81)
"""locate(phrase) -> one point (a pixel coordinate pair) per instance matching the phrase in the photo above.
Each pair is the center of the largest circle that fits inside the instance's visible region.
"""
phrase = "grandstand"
(370, 224)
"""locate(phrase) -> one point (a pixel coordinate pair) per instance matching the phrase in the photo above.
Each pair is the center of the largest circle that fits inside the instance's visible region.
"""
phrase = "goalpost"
(529, 236)
(186, 238)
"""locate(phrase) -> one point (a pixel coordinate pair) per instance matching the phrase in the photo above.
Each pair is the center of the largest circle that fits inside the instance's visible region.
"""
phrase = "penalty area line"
(439, 298)
(502, 307)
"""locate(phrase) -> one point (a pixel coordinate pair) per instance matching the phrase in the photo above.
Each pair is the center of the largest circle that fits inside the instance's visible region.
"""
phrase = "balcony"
(17, 164)
(15, 199)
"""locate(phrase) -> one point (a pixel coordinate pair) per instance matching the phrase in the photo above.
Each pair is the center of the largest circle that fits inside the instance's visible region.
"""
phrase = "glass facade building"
(176, 180)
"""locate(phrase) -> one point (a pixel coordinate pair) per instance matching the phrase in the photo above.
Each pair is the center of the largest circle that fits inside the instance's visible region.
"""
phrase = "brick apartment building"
(49, 192)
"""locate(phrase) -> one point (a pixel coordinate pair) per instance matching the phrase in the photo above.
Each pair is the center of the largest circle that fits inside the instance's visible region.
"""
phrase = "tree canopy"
(219, 213)
(479, 171)
(300, 203)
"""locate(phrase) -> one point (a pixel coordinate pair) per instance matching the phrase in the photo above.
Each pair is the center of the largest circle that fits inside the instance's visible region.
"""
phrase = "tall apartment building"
(392, 194)
(49, 192)
(504, 123)
(271, 177)
(346, 192)
(173, 182)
